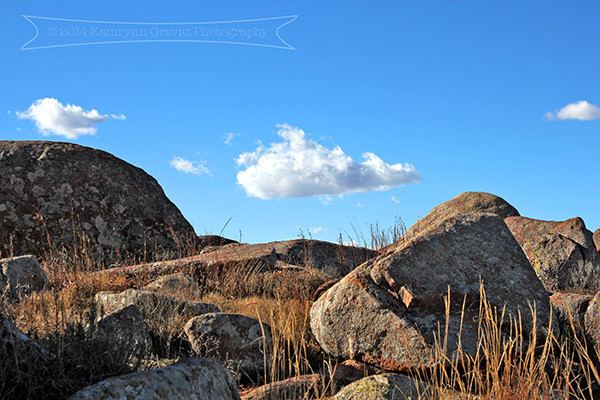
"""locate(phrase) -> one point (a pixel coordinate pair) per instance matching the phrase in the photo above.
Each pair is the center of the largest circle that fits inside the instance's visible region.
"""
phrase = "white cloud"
(581, 110)
(299, 167)
(189, 167)
(70, 121)
(315, 230)
(229, 136)
(395, 199)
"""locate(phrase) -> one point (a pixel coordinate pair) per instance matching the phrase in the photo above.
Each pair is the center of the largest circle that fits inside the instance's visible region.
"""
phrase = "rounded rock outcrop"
(64, 196)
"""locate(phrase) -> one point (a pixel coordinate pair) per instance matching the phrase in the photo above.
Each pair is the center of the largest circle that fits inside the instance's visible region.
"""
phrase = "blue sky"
(459, 90)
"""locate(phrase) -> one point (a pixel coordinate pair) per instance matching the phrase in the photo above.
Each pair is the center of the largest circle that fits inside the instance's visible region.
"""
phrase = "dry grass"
(509, 364)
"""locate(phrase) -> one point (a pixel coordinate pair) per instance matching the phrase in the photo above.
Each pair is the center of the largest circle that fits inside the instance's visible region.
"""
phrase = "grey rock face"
(383, 387)
(386, 312)
(20, 276)
(151, 304)
(464, 203)
(592, 322)
(127, 330)
(570, 310)
(60, 194)
(233, 338)
(562, 252)
(201, 379)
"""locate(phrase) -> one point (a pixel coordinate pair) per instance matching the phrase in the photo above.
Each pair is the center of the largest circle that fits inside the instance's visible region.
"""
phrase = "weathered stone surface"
(191, 379)
(383, 387)
(464, 203)
(63, 193)
(232, 338)
(127, 330)
(597, 239)
(152, 305)
(20, 276)
(570, 307)
(299, 387)
(173, 284)
(386, 312)
(562, 252)
(592, 322)
(333, 259)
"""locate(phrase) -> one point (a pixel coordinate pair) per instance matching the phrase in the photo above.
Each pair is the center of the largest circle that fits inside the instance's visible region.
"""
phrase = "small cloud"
(359, 204)
(189, 167)
(326, 200)
(581, 111)
(71, 121)
(315, 230)
(229, 136)
(298, 167)
(395, 199)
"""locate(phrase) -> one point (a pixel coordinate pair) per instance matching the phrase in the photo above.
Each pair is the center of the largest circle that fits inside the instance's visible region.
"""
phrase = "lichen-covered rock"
(464, 203)
(127, 330)
(152, 305)
(384, 387)
(592, 322)
(570, 311)
(173, 284)
(195, 378)
(299, 387)
(561, 252)
(60, 194)
(387, 311)
(232, 338)
(20, 276)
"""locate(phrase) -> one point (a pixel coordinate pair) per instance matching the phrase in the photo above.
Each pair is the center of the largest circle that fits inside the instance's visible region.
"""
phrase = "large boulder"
(464, 203)
(190, 379)
(235, 339)
(57, 195)
(384, 387)
(597, 239)
(387, 311)
(561, 252)
(20, 276)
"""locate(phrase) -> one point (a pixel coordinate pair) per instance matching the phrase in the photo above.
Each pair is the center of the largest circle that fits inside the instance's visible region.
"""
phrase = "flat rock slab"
(387, 311)
(195, 378)
(20, 276)
(562, 253)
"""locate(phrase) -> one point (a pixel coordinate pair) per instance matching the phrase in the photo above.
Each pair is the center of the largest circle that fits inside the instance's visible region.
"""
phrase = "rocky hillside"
(475, 301)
